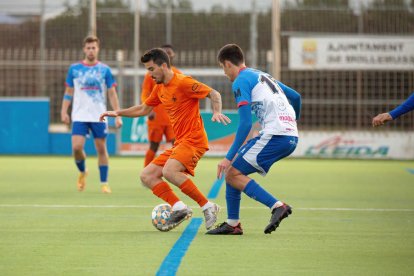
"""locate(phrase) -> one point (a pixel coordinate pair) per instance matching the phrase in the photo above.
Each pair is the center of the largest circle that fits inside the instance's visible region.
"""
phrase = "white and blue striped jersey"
(268, 101)
(90, 84)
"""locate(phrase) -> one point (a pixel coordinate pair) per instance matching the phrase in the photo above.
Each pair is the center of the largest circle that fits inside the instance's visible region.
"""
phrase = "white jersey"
(268, 100)
(90, 84)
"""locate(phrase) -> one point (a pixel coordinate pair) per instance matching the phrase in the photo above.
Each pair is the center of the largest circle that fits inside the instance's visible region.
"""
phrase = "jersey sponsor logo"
(91, 88)
(195, 159)
(285, 118)
(237, 93)
(258, 109)
(91, 81)
(195, 87)
(281, 104)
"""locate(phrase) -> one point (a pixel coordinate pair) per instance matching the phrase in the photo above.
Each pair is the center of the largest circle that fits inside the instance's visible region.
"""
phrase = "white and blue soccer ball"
(161, 215)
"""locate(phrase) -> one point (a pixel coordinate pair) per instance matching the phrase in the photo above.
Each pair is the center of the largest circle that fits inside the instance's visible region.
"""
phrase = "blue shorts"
(99, 129)
(261, 152)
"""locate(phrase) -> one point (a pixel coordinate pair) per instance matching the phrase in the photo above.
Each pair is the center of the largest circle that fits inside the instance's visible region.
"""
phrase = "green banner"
(134, 136)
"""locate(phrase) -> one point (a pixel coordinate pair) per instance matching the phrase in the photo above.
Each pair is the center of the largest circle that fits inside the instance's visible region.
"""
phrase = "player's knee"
(145, 178)
(230, 175)
(228, 178)
(101, 151)
(167, 173)
(77, 148)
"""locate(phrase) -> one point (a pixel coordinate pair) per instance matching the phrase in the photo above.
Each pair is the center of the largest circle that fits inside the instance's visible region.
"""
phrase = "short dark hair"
(232, 53)
(90, 39)
(157, 55)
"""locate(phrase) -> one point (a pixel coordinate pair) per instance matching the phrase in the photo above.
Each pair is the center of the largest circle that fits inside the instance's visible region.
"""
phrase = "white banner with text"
(351, 53)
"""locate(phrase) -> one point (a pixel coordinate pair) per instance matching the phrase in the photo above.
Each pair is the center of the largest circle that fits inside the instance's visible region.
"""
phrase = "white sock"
(179, 205)
(207, 205)
(233, 222)
(277, 204)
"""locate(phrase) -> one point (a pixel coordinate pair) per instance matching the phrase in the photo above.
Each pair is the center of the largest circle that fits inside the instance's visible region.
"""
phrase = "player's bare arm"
(113, 99)
(133, 111)
(67, 100)
(216, 106)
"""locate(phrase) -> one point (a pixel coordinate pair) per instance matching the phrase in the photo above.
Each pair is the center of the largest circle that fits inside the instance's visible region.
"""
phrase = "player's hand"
(222, 167)
(380, 119)
(107, 114)
(118, 122)
(65, 118)
(220, 118)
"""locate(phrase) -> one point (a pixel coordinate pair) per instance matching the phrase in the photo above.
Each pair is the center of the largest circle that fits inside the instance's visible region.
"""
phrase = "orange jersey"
(161, 117)
(180, 98)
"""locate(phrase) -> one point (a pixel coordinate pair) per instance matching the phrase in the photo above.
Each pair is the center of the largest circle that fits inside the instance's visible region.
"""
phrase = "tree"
(160, 5)
(389, 16)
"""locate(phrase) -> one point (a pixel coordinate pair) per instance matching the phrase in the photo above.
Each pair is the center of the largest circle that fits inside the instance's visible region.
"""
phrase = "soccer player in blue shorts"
(87, 84)
(277, 107)
(405, 107)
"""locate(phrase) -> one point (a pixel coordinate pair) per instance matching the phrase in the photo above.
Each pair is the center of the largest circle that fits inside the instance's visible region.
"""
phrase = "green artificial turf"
(349, 217)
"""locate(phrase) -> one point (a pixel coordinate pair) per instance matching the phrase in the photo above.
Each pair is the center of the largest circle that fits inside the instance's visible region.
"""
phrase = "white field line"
(55, 206)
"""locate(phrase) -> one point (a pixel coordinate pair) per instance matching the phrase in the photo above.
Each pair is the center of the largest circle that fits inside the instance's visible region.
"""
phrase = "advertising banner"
(134, 137)
(312, 144)
(351, 53)
(356, 145)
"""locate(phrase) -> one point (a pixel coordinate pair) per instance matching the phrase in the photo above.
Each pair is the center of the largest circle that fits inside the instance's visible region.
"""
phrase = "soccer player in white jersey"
(277, 107)
(87, 84)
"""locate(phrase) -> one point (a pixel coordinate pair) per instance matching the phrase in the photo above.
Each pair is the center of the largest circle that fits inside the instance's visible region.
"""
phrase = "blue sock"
(103, 173)
(256, 192)
(81, 165)
(233, 197)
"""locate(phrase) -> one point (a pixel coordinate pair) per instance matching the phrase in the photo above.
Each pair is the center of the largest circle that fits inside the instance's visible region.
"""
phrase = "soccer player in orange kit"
(179, 95)
(158, 123)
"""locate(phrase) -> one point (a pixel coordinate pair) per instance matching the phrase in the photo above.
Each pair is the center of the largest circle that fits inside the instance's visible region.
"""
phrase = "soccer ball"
(160, 215)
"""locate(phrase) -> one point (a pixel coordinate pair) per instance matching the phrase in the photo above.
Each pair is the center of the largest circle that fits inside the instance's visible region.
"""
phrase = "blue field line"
(171, 263)
(410, 171)
(215, 189)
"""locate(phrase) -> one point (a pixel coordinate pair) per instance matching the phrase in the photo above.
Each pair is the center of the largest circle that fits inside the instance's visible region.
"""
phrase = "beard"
(159, 81)
(91, 58)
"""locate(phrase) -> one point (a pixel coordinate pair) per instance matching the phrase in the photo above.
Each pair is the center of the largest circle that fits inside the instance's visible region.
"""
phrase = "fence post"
(276, 39)
(42, 46)
(136, 84)
(120, 63)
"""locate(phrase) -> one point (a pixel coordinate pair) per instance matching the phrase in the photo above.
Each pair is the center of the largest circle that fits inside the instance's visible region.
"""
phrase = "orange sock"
(164, 191)
(189, 188)
(149, 156)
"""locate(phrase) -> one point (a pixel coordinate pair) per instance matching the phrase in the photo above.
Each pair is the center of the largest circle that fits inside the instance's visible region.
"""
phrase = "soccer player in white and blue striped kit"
(277, 107)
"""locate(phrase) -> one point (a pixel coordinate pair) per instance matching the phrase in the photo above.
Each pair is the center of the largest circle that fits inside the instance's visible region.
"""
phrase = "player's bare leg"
(78, 143)
(279, 210)
(151, 177)
(103, 161)
(173, 171)
(150, 154)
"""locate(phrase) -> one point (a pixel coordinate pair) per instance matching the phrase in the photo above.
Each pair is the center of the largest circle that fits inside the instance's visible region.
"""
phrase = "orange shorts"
(188, 155)
(156, 131)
